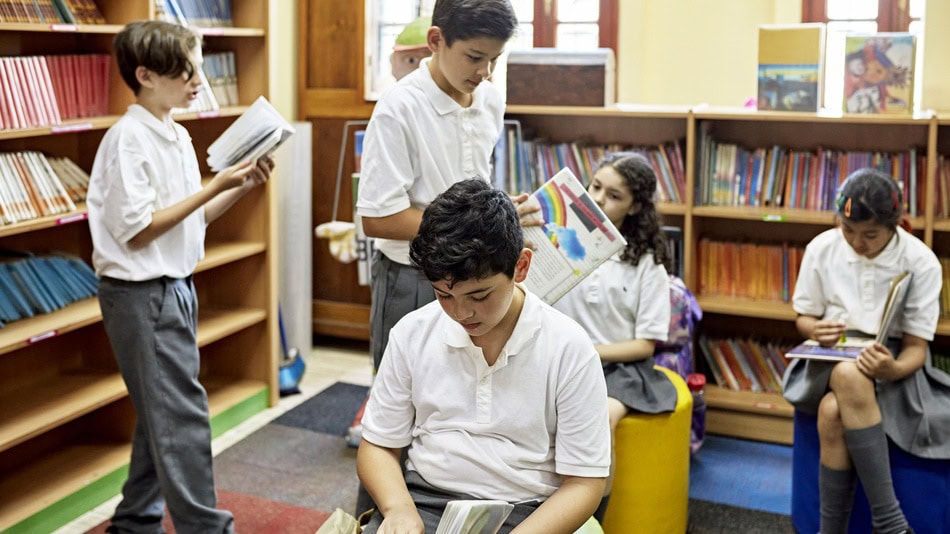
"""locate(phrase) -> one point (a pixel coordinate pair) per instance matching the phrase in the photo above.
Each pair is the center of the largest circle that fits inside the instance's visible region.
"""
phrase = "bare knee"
(853, 390)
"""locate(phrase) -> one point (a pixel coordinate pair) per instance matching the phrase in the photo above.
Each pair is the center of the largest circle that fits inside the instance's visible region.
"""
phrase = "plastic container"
(697, 384)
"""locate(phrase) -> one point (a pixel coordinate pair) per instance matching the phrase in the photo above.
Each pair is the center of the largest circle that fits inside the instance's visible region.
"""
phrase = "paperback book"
(474, 517)
(257, 132)
(574, 238)
(879, 73)
(850, 347)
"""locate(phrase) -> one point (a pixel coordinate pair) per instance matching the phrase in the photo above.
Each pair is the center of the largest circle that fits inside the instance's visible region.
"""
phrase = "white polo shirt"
(834, 279)
(619, 302)
(503, 432)
(418, 143)
(143, 165)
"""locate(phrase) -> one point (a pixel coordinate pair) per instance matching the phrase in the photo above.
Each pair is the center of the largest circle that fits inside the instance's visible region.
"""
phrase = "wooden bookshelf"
(65, 418)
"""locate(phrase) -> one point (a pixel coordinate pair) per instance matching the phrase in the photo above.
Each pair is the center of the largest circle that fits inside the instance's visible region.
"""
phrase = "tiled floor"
(326, 365)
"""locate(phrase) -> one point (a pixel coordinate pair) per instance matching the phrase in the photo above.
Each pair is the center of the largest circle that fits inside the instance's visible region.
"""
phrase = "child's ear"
(434, 38)
(144, 76)
(522, 266)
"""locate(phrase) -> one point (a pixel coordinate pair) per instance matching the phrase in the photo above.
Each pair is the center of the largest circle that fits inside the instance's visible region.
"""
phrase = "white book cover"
(258, 131)
(474, 517)
(575, 237)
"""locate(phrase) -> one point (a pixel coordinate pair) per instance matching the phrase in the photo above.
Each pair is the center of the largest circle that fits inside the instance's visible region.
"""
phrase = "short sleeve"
(389, 416)
(922, 307)
(653, 313)
(808, 297)
(129, 199)
(387, 172)
(582, 442)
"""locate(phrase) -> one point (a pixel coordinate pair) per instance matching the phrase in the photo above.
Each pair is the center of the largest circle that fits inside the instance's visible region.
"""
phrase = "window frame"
(891, 15)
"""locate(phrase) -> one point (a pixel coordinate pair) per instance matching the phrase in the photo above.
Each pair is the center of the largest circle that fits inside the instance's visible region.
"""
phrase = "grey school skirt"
(640, 387)
(915, 411)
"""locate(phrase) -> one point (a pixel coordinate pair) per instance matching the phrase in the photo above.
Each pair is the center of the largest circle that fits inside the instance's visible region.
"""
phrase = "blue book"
(14, 294)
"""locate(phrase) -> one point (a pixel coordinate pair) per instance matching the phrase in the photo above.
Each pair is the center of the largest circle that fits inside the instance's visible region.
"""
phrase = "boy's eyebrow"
(472, 292)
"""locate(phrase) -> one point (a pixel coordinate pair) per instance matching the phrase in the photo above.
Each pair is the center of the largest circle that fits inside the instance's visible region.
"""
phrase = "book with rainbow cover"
(575, 237)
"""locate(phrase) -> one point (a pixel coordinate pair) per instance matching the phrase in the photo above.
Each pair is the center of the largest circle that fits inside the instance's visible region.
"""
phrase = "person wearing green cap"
(411, 47)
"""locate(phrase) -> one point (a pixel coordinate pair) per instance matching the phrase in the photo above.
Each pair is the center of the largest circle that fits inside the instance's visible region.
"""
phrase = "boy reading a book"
(886, 391)
(496, 394)
(147, 216)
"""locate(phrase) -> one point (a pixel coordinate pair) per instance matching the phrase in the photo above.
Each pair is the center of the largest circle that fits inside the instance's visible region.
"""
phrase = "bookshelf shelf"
(670, 208)
(65, 450)
(763, 309)
(26, 414)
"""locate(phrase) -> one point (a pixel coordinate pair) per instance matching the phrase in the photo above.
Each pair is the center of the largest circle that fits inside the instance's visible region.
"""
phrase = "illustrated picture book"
(791, 61)
(474, 517)
(879, 72)
(575, 237)
(258, 131)
(851, 347)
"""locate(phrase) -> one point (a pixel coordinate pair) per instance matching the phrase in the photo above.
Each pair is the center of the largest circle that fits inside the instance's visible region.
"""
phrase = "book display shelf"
(750, 414)
(65, 418)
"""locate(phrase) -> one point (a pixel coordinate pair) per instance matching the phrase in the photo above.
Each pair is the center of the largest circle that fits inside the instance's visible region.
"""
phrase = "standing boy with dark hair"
(496, 394)
(147, 216)
(437, 126)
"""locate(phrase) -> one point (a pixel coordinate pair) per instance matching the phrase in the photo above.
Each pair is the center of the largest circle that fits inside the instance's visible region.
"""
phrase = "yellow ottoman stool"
(651, 480)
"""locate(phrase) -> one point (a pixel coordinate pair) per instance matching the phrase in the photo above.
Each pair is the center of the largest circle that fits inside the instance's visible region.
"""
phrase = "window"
(570, 24)
(843, 16)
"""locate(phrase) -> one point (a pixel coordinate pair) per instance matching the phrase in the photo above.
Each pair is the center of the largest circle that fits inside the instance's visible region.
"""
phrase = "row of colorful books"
(32, 285)
(202, 13)
(221, 70)
(748, 270)
(33, 185)
(51, 12)
(40, 91)
(526, 165)
(731, 175)
(745, 364)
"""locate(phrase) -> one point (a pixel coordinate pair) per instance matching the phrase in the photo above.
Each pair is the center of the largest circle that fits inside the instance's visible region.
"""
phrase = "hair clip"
(844, 205)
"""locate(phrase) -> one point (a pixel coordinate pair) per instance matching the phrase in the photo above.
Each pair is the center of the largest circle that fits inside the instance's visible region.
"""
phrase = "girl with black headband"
(889, 391)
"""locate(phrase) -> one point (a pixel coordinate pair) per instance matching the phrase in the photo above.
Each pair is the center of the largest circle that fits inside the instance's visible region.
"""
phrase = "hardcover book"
(575, 237)
(848, 349)
(790, 66)
(879, 73)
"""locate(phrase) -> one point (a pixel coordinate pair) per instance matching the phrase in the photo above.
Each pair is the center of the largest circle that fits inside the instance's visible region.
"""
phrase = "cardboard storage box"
(552, 77)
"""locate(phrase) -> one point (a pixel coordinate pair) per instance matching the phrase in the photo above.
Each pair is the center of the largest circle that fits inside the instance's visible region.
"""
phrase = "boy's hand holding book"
(248, 174)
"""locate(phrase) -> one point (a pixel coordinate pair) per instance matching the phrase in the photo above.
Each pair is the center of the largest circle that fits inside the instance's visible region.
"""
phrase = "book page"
(258, 131)
(474, 517)
(574, 239)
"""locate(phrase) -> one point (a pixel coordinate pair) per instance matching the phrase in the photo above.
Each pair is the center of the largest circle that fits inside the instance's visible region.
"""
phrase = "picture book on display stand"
(790, 66)
(850, 347)
(574, 238)
(879, 73)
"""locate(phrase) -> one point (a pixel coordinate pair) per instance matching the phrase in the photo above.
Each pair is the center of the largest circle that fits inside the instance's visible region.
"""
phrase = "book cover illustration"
(879, 73)
(851, 347)
(575, 237)
(790, 63)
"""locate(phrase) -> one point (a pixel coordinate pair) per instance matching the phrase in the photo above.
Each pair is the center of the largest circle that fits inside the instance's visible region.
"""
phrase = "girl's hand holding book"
(876, 361)
(828, 332)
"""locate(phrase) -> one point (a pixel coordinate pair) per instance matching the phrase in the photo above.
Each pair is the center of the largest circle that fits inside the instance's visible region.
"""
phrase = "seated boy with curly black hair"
(496, 394)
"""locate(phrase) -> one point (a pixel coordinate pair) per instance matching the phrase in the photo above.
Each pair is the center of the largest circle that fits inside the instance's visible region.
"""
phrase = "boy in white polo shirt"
(147, 216)
(496, 394)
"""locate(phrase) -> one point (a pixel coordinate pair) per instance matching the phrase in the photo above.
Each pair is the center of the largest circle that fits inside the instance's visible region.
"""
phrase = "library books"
(474, 517)
(201, 13)
(790, 66)
(879, 72)
(258, 131)
(221, 70)
(575, 237)
(848, 349)
(31, 285)
(45, 90)
(33, 185)
(51, 12)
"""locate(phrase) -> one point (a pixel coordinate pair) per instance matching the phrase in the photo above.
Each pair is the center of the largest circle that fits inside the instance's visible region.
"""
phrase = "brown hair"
(161, 47)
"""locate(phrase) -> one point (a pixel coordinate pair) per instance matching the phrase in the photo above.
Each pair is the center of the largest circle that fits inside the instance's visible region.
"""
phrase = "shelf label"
(63, 27)
(765, 405)
(76, 217)
(769, 217)
(212, 31)
(212, 114)
(41, 337)
(66, 128)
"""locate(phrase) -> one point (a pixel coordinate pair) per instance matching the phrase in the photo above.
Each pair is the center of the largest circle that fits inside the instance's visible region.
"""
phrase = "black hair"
(471, 19)
(641, 229)
(870, 195)
(161, 47)
(470, 231)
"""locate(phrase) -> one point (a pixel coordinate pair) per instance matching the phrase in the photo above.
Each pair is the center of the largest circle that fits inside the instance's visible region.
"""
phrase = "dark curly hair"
(642, 229)
(470, 231)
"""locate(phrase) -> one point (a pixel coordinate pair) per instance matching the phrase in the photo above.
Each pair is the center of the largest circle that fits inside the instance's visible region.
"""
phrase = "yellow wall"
(282, 56)
(936, 74)
(693, 51)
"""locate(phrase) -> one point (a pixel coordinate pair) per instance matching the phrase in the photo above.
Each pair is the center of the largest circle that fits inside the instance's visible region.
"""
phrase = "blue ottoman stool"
(922, 486)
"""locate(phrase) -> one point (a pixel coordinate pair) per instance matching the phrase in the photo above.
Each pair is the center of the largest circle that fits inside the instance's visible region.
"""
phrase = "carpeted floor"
(290, 474)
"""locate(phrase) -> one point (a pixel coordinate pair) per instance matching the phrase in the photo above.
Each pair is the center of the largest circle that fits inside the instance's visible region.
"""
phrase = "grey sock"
(868, 449)
(837, 496)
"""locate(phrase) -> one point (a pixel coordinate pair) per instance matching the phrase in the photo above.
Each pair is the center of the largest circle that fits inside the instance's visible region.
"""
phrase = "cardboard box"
(552, 77)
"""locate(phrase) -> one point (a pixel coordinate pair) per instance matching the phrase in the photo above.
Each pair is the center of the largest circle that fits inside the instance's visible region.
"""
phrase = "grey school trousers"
(397, 289)
(152, 326)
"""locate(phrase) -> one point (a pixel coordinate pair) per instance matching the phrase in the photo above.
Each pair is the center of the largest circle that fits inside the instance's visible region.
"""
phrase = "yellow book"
(791, 61)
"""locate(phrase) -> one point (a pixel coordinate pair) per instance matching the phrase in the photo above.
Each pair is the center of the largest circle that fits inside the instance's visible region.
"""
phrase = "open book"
(850, 348)
(258, 131)
(574, 239)
(473, 517)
